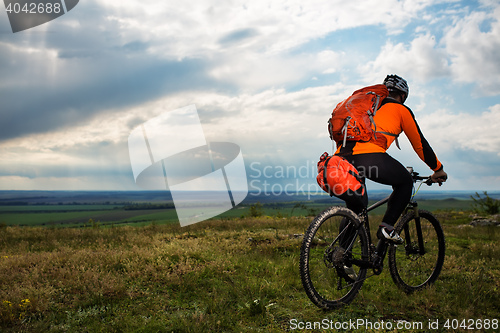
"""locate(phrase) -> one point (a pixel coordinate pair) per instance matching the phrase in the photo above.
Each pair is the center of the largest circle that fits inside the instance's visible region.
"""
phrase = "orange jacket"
(393, 117)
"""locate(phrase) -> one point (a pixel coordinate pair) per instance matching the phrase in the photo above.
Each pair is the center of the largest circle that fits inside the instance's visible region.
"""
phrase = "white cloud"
(468, 51)
(420, 59)
(254, 71)
(248, 43)
(473, 132)
(271, 123)
(115, 53)
(238, 56)
(193, 28)
(473, 44)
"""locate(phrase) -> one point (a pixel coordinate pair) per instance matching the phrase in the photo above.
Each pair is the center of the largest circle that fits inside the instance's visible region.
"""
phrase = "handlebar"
(427, 180)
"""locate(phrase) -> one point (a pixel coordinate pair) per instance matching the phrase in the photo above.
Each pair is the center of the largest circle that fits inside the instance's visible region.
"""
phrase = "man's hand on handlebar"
(439, 177)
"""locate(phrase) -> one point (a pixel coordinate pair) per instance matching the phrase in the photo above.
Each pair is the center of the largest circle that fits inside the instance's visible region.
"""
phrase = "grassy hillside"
(220, 276)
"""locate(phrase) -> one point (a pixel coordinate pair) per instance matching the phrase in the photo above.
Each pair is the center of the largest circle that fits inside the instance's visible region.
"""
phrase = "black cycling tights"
(382, 168)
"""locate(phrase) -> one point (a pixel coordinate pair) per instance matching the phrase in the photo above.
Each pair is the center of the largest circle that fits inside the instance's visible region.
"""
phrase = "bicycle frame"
(337, 249)
(377, 253)
(364, 216)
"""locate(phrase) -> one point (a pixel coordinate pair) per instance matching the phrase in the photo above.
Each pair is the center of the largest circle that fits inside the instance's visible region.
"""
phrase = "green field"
(71, 215)
(79, 215)
(225, 275)
(130, 267)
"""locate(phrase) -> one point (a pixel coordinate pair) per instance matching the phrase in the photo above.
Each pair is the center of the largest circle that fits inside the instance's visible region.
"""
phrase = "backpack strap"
(391, 134)
(345, 128)
(371, 114)
(385, 101)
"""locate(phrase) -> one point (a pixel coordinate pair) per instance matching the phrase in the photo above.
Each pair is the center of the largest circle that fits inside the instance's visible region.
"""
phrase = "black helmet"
(394, 82)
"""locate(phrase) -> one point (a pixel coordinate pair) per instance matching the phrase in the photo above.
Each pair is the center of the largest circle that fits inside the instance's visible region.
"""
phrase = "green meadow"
(234, 273)
(81, 215)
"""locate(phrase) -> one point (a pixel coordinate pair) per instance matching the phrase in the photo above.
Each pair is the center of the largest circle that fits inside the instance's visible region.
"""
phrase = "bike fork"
(418, 228)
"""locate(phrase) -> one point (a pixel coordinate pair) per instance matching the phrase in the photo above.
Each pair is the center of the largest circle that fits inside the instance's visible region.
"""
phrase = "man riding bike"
(373, 162)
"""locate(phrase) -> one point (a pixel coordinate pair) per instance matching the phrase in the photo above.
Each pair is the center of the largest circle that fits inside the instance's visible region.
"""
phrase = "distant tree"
(256, 210)
(485, 205)
(94, 224)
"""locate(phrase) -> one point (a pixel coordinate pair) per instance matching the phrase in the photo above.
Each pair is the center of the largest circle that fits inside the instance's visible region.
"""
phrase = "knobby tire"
(417, 264)
(325, 250)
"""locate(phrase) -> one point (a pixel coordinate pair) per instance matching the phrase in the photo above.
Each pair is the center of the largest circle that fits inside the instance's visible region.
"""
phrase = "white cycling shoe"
(350, 273)
(388, 232)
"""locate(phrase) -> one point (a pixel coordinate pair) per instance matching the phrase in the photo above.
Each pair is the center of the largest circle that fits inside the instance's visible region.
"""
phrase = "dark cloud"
(136, 46)
(238, 36)
(69, 74)
(87, 87)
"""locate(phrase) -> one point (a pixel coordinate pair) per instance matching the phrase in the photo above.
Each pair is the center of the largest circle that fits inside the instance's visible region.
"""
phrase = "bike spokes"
(332, 243)
(418, 262)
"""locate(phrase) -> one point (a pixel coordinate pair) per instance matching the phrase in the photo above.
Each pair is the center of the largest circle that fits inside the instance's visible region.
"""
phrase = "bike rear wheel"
(335, 239)
(418, 261)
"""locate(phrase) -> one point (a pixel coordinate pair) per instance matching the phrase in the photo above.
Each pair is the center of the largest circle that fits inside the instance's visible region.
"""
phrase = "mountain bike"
(337, 252)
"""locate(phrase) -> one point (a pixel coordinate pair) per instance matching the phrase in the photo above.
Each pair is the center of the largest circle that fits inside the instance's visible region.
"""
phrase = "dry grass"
(235, 275)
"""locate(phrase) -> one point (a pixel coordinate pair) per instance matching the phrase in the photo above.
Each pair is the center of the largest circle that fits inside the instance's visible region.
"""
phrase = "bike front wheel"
(417, 263)
(334, 245)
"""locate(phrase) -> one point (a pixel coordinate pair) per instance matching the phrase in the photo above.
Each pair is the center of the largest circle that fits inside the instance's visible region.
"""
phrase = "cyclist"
(372, 161)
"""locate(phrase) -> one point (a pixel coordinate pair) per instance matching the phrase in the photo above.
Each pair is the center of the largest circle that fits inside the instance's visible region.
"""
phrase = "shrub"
(485, 205)
(256, 210)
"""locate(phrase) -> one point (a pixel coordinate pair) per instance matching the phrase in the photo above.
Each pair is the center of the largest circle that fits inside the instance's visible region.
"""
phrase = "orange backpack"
(352, 119)
(338, 177)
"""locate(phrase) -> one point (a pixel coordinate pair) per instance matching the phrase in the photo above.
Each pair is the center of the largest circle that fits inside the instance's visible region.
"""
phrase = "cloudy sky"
(264, 74)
